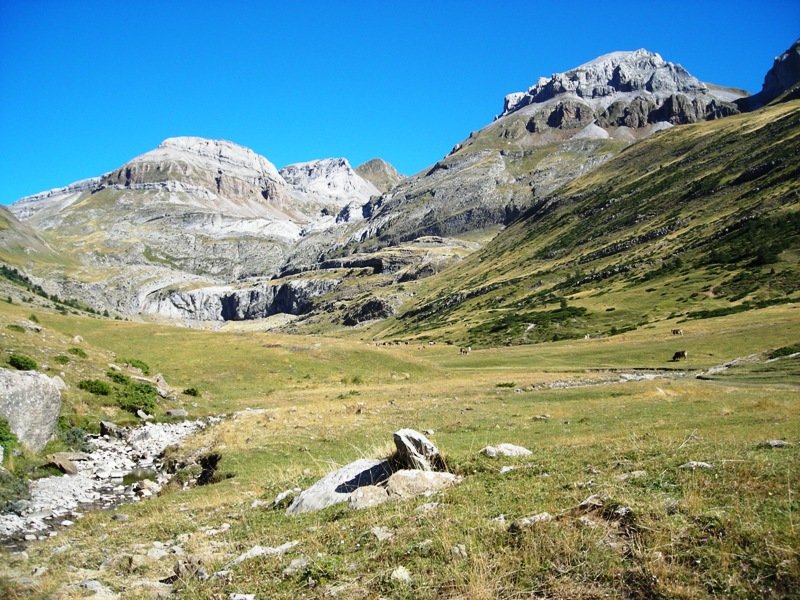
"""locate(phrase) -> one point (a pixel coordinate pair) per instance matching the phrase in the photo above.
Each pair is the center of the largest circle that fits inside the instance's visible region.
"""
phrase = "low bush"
(78, 352)
(118, 377)
(137, 396)
(95, 386)
(61, 359)
(192, 391)
(15, 327)
(22, 362)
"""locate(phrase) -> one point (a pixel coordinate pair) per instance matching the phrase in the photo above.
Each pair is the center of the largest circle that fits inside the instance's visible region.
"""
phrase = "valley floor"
(611, 417)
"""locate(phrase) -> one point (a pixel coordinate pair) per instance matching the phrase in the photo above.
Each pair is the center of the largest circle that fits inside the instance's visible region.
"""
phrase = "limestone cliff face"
(223, 303)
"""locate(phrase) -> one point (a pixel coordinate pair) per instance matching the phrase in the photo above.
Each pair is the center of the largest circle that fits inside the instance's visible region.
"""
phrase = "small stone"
(157, 553)
(507, 469)
(415, 451)
(695, 464)
(589, 522)
(177, 412)
(381, 533)
(509, 450)
(297, 565)
(459, 551)
(410, 483)
(428, 506)
(265, 551)
(241, 597)
(774, 444)
(39, 571)
(30, 537)
(285, 498)
(367, 497)
(528, 522)
(402, 575)
(121, 517)
(593, 502)
(631, 475)
(143, 415)
(67, 523)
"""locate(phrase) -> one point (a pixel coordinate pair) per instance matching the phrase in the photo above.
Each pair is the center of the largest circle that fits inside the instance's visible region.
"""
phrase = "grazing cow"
(677, 332)
(466, 350)
(679, 355)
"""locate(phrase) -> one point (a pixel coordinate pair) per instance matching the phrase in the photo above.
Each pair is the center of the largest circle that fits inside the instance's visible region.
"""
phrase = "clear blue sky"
(86, 86)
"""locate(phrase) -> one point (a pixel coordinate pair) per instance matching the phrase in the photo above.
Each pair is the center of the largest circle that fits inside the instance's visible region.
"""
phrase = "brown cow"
(679, 355)
(466, 350)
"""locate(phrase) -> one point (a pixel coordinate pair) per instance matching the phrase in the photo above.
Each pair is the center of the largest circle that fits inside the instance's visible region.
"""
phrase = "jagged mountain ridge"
(203, 214)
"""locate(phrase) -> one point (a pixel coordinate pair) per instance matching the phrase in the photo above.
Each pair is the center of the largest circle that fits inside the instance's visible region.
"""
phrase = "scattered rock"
(157, 553)
(381, 533)
(509, 450)
(541, 417)
(177, 412)
(428, 506)
(110, 429)
(593, 502)
(774, 444)
(368, 496)
(285, 498)
(527, 522)
(459, 551)
(264, 551)
(143, 415)
(77, 340)
(409, 483)
(297, 565)
(631, 475)
(415, 451)
(402, 575)
(694, 464)
(241, 596)
(61, 460)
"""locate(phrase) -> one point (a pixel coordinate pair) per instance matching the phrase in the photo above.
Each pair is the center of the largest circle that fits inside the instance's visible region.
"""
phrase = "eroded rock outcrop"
(222, 303)
(30, 402)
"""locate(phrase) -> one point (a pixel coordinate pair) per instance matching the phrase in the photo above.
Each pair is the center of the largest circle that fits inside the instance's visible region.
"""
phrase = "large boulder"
(30, 402)
(340, 485)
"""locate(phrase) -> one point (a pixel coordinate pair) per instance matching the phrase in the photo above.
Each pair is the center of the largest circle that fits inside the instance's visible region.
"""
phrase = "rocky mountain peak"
(632, 89)
(379, 173)
(783, 76)
(331, 179)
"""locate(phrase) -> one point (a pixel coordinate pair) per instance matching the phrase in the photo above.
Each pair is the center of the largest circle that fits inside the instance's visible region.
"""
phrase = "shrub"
(78, 352)
(137, 396)
(15, 327)
(137, 364)
(22, 362)
(8, 438)
(118, 377)
(785, 351)
(61, 359)
(33, 318)
(95, 386)
(192, 391)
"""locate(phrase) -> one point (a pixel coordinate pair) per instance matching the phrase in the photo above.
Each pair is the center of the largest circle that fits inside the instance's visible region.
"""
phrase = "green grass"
(730, 532)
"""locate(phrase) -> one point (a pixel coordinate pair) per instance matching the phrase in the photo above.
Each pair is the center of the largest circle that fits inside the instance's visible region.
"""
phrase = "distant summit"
(621, 89)
(784, 76)
(380, 173)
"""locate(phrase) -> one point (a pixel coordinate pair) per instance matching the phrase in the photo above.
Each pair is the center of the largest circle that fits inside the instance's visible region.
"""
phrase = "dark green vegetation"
(22, 362)
(697, 221)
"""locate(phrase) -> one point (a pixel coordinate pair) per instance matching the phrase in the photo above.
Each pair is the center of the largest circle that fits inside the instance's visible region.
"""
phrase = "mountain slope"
(698, 218)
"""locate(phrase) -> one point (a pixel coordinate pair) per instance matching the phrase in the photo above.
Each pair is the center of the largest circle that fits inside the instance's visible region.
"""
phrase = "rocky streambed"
(100, 481)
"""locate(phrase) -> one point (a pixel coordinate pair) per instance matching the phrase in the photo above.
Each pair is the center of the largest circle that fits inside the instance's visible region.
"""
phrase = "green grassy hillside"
(692, 222)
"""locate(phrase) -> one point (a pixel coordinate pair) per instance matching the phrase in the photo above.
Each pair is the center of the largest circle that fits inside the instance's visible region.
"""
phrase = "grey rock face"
(31, 403)
(409, 483)
(783, 76)
(294, 297)
(505, 450)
